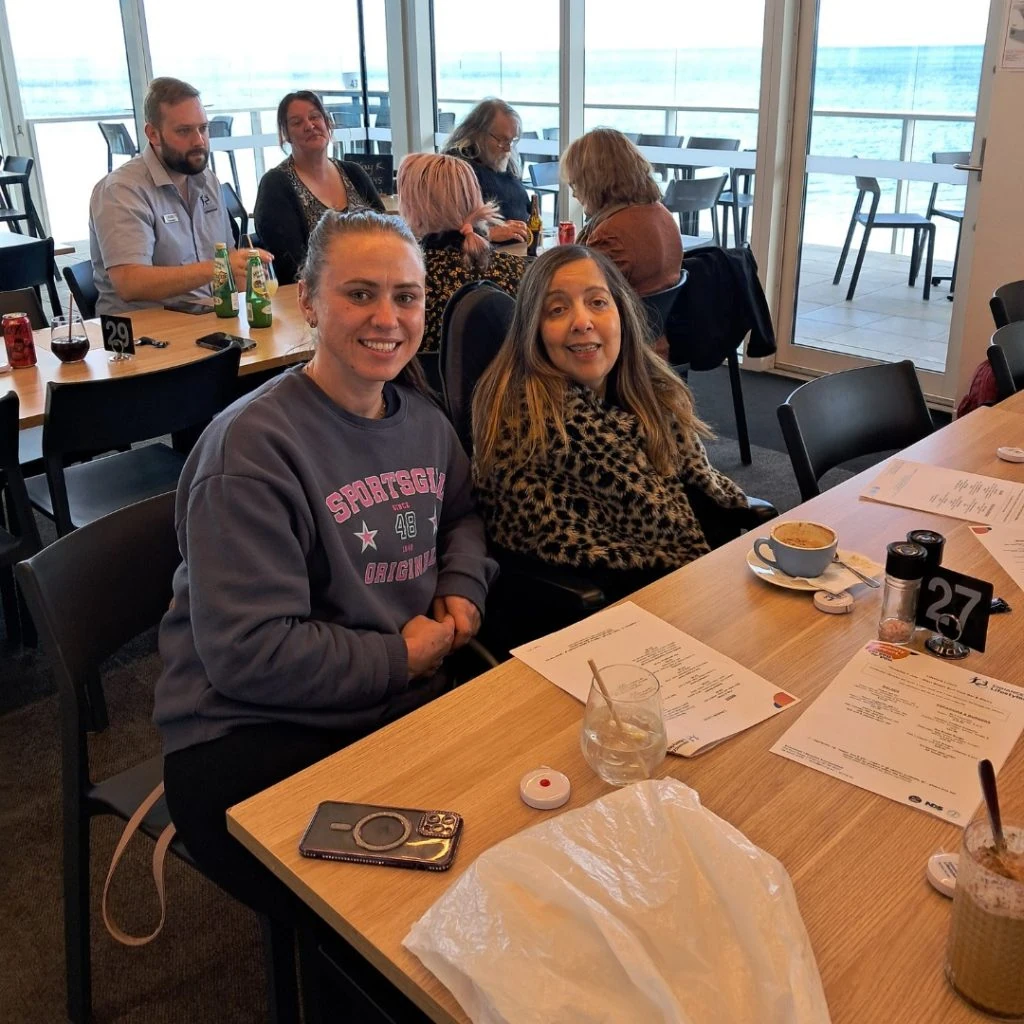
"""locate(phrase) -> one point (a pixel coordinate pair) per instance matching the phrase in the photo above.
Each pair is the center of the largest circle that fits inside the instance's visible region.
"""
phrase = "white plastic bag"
(642, 906)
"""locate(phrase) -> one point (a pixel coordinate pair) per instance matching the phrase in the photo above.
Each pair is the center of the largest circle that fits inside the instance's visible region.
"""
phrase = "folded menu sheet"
(706, 697)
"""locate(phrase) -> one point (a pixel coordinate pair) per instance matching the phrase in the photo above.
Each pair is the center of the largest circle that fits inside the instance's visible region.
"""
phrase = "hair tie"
(466, 229)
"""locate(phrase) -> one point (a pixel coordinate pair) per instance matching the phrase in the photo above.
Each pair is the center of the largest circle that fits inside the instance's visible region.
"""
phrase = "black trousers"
(203, 781)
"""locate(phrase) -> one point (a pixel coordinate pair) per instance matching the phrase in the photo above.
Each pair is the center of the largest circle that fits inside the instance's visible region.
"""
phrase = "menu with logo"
(706, 697)
(1006, 545)
(948, 492)
(909, 727)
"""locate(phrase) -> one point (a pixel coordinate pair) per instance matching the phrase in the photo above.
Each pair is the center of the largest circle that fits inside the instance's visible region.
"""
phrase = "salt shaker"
(905, 565)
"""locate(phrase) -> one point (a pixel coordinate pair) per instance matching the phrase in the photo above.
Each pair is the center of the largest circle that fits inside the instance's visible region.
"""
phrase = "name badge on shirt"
(170, 218)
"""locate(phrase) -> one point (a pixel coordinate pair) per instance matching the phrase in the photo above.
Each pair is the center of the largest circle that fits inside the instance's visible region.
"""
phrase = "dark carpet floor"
(206, 965)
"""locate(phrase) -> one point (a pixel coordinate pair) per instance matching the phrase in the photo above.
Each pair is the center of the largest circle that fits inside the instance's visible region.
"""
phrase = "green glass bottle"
(257, 299)
(225, 295)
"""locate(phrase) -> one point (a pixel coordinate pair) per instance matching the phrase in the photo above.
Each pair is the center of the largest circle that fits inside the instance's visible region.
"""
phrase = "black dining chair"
(658, 305)
(687, 197)
(79, 280)
(90, 416)
(119, 141)
(844, 415)
(24, 300)
(922, 227)
(220, 128)
(30, 265)
(691, 170)
(737, 201)
(19, 536)
(90, 593)
(237, 214)
(1006, 357)
(1007, 303)
(445, 120)
(9, 213)
(544, 181)
(953, 211)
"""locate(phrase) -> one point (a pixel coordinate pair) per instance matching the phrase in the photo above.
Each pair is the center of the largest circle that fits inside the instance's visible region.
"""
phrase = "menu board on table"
(948, 492)
(908, 727)
(706, 697)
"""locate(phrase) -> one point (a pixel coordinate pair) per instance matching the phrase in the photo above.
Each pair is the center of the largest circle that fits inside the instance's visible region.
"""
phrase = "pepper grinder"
(905, 565)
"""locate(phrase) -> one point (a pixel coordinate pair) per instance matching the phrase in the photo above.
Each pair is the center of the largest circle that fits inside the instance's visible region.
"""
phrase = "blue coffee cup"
(798, 548)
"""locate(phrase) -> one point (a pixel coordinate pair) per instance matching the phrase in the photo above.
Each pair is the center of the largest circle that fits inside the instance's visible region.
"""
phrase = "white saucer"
(779, 579)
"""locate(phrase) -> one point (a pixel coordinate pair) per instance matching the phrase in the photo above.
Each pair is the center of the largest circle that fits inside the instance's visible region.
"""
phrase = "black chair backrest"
(24, 300)
(97, 588)
(691, 195)
(1007, 303)
(659, 304)
(445, 121)
(237, 214)
(380, 167)
(1006, 357)
(97, 415)
(529, 135)
(220, 126)
(659, 141)
(473, 329)
(710, 142)
(851, 413)
(383, 118)
(344, 116)
(544, 174)
(18, 164)
(20, 520)
(118, 138)
(79, 280)
(868, 185)
(29, 265)
(550, 133)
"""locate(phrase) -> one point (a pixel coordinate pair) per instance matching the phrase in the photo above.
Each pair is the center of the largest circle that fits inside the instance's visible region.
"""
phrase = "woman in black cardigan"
(294, 195)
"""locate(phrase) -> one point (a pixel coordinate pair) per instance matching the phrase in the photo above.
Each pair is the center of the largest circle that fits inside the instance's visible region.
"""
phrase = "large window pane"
(240, 79)
(72, 72)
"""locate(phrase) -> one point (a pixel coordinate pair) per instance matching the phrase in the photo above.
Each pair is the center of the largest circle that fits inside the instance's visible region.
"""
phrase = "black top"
(504, 189)
(281, 218)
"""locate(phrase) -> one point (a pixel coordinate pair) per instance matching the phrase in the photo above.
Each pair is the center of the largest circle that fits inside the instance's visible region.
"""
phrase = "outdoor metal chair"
(220, 128)
(687, 197)
(921, 226)
(237, 214)
(666, 171)
(544, 181)
(953, 212)
(119, 141)
(21, 166)
(30, 266)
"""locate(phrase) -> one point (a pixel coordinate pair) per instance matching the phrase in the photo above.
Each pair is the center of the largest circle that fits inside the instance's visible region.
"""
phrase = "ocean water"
(929, 79)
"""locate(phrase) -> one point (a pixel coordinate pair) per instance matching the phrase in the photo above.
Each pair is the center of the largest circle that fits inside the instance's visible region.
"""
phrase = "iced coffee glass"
(985, 953)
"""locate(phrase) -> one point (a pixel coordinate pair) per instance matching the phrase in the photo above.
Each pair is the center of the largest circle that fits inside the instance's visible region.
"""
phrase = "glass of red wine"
(68, 339)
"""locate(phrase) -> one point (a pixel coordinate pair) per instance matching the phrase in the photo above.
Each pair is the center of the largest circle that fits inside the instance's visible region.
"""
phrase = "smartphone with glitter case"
(398, 837)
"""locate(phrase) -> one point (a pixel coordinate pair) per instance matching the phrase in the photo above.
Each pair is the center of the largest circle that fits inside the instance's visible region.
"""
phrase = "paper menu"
(948, 492)
(1006, 545)
(908, 727)
(706, 697)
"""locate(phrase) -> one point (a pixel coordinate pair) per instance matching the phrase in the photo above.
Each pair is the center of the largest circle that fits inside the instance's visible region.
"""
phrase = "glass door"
(893, 93)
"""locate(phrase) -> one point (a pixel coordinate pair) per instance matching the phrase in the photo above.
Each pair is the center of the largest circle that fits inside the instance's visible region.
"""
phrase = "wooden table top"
(1015, 403)
(286, 341)
(857, 860)
(11, 240)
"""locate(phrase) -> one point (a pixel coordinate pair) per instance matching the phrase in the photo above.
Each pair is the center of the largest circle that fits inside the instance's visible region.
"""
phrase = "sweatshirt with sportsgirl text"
(309, 538)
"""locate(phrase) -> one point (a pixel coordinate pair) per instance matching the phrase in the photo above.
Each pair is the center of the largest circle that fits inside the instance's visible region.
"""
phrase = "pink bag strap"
(159, 855)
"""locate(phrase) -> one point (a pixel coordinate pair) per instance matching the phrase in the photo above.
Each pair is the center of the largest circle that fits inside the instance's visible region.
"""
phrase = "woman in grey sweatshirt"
(332, 556)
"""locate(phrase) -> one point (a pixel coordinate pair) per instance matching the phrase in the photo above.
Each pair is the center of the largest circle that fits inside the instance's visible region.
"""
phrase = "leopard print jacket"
(598, 501)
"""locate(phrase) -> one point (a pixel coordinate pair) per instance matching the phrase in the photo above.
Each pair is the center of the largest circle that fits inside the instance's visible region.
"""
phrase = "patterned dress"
(447, 273)
(312, 208)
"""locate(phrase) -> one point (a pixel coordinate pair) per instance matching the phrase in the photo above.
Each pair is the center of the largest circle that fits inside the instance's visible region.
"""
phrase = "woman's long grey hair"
(465, 138)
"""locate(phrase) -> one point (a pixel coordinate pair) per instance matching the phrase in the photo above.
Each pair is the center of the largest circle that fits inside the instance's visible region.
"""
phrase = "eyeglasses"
(503, 142)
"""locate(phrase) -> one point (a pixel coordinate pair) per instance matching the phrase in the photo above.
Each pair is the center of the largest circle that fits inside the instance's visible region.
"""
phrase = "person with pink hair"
(439, 198)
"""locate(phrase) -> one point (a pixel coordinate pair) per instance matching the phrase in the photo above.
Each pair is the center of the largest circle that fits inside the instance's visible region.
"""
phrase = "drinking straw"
(71, 310)
(607, 696)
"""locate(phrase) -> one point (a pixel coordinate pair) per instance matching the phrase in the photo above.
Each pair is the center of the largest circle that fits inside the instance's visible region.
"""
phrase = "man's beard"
(181, 163)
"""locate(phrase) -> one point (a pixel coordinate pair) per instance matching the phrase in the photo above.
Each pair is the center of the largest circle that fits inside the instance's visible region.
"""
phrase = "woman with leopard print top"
(439, 198)
(586, 443)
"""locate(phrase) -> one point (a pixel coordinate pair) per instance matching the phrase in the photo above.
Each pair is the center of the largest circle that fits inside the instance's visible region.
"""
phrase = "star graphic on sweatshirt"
(433, 520)
(366, 536)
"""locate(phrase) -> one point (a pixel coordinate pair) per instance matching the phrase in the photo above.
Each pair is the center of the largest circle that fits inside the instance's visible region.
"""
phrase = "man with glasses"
(154, 222)
(487, 138)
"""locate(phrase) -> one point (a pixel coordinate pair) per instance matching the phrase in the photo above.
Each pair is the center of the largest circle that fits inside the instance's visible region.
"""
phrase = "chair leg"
(915, 258)
(724, 211)
(234, 172)
(846, 249)
(11, 609)
(282, 979)
(738, 407)
(78, 969)
(860, 262)
(930, 235)
(956, 258)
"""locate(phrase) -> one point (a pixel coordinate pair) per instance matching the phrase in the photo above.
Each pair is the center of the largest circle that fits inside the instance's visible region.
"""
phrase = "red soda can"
(21, 347)
(566, 232)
